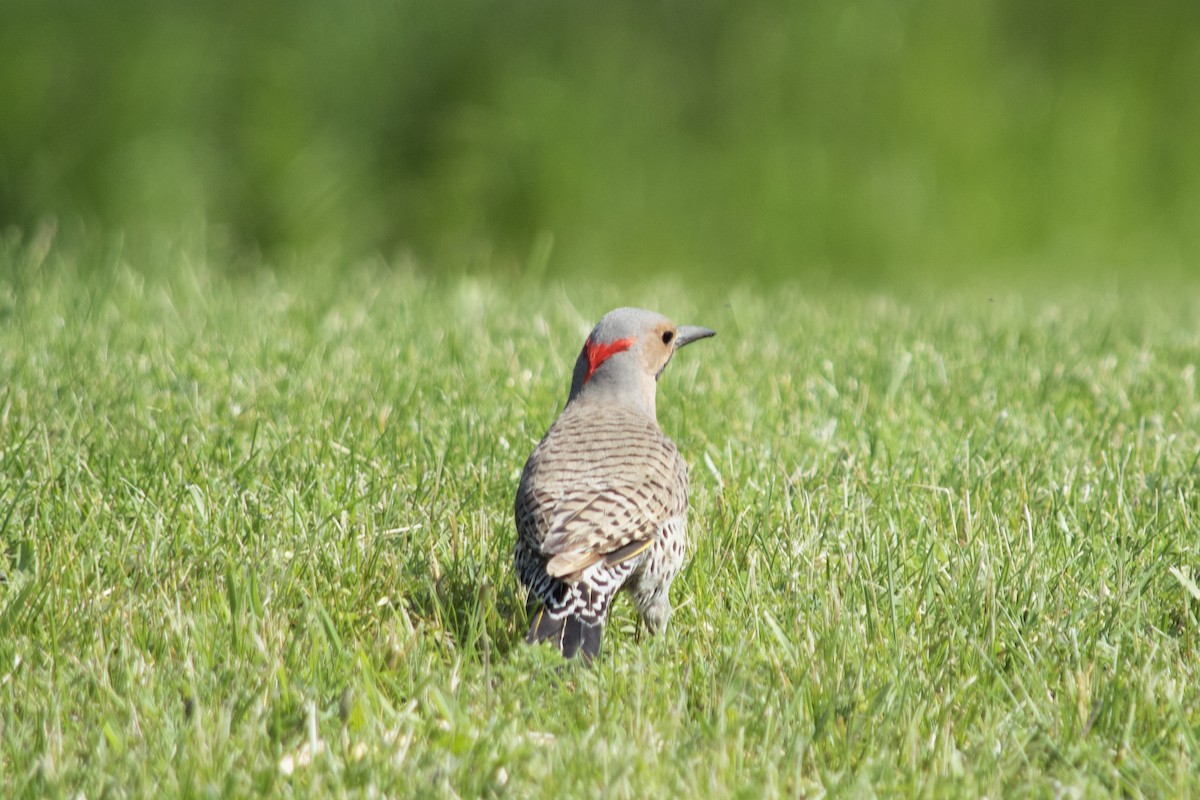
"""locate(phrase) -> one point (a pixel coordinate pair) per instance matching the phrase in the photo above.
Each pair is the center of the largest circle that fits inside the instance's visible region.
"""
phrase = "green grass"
(255, 538)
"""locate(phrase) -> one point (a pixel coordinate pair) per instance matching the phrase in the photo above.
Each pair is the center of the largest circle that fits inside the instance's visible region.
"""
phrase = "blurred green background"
(861, 139)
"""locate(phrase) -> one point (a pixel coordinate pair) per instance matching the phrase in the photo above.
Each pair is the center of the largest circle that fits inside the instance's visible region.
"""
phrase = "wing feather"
(612, 508)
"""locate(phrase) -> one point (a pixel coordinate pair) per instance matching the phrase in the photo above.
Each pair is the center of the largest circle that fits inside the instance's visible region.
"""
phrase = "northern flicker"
(602, 503)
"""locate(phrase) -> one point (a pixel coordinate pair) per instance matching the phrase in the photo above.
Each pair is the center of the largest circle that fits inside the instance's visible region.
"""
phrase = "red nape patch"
(597, 354)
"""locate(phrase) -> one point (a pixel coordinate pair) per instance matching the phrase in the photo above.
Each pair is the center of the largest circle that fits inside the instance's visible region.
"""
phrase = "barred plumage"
(602, 503)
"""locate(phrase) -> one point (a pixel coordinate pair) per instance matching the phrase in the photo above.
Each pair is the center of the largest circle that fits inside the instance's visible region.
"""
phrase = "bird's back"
(602, 478)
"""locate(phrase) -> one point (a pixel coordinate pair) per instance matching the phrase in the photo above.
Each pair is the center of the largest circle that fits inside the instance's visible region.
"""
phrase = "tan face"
(659, 347)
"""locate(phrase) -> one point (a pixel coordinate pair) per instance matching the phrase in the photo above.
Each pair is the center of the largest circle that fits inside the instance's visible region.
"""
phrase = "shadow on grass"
(478, 619)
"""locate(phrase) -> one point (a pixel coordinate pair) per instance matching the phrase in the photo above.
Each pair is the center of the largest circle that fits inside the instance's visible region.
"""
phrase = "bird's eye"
(668, 336)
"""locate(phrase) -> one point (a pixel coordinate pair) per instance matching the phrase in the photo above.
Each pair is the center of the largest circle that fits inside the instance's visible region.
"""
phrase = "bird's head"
(626, 352)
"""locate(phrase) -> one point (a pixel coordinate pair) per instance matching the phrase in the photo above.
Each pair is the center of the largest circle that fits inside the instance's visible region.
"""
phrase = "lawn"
(255, 537)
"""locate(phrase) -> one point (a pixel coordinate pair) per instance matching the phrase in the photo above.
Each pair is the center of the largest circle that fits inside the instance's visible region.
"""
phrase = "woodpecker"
(602, 503)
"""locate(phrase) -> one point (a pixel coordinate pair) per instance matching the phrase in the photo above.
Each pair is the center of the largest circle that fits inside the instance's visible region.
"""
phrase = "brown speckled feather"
(602, 483)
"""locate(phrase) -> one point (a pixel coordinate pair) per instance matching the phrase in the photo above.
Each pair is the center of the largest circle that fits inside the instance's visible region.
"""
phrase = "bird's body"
(602, 503)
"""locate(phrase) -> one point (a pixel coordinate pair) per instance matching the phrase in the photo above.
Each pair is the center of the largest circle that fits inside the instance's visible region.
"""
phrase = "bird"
(603, 499)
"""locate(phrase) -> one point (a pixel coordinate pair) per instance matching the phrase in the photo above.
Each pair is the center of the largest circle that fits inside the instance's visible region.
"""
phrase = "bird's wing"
(610, 522)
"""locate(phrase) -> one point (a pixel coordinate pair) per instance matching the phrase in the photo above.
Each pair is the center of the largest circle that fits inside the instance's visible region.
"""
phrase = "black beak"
(686, 334)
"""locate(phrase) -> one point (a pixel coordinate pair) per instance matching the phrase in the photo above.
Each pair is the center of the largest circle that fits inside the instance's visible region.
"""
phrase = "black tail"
(570, 633)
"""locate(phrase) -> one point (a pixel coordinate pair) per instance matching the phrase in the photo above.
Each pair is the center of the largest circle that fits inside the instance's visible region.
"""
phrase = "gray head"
(626, 352)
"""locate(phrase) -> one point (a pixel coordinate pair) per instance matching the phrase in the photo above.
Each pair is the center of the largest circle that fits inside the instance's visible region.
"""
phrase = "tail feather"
(570, 633)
